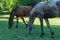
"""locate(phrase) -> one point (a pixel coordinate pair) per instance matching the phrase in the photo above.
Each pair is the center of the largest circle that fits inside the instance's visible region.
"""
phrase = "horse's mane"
(12, 12)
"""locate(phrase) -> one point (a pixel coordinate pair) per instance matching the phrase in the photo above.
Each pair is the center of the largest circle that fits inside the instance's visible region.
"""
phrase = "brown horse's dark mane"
(12, 13)
(11, 16)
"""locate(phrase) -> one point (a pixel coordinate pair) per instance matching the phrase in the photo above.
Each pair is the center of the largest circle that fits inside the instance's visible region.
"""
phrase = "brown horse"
(19, 11)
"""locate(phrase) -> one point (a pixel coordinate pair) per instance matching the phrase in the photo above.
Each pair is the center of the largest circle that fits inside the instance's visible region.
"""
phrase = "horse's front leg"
(17, 22)
(48, 25)
(41, 22)
(30, 23)
(24, 21)
(42, 30)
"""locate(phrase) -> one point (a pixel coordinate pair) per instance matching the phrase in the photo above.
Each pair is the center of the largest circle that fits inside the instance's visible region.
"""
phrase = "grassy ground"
(22, 34)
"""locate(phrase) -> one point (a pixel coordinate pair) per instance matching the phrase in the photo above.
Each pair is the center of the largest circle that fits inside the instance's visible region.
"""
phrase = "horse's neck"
(11, 17)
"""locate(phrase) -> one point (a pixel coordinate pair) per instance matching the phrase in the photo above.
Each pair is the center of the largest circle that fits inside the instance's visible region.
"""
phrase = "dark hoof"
(26, 26)
(52, 37)
(42, 35)
(9, 27)
(16, 26)
(29, 32)
(52, 34)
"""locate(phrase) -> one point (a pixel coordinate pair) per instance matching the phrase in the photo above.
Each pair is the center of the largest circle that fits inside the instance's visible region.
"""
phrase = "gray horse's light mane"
(38, 5)
(54, 1)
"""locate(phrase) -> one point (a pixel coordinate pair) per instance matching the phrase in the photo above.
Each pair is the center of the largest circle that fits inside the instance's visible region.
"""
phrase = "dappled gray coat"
(49, 9)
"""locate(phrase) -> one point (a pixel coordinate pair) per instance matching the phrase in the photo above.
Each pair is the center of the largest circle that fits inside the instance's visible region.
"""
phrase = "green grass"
(21, 32)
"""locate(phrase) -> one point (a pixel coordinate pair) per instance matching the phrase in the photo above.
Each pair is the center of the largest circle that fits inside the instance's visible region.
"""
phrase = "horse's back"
(49, 10)
(23, 10)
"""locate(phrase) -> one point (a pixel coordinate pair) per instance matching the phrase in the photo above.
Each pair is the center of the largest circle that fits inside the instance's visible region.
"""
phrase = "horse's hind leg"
(42, 30)
(17, 22)
(48, 25)
(41, 22)
(24, 21)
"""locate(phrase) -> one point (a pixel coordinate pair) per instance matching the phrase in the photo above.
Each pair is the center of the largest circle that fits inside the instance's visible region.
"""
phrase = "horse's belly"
(49, 15)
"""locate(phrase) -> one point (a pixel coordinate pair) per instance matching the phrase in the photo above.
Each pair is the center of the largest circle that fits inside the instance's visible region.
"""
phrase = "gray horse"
(44, 10)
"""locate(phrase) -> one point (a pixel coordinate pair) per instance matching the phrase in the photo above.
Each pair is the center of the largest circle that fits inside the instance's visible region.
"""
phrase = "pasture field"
(21, 33)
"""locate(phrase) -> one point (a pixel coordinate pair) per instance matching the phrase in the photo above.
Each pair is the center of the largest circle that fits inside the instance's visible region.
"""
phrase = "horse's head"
(10, 24)
(30, 27)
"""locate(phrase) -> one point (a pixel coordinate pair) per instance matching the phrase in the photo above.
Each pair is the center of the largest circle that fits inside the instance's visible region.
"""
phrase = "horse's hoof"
(52, 34)
(52, 37)
(16, 26)
(42, 35)
(9, 27)
(26, 26)
(29, 32)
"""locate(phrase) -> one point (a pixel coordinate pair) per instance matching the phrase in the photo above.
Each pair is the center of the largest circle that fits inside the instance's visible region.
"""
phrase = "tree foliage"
(8, 5)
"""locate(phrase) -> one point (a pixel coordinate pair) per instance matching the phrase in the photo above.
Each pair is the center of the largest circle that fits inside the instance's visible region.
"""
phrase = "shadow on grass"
(21, 32)
(3, 17)
(55, 28)
(5, 24)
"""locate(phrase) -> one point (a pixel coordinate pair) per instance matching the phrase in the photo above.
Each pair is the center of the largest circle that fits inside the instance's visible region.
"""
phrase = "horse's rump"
(48, 12)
